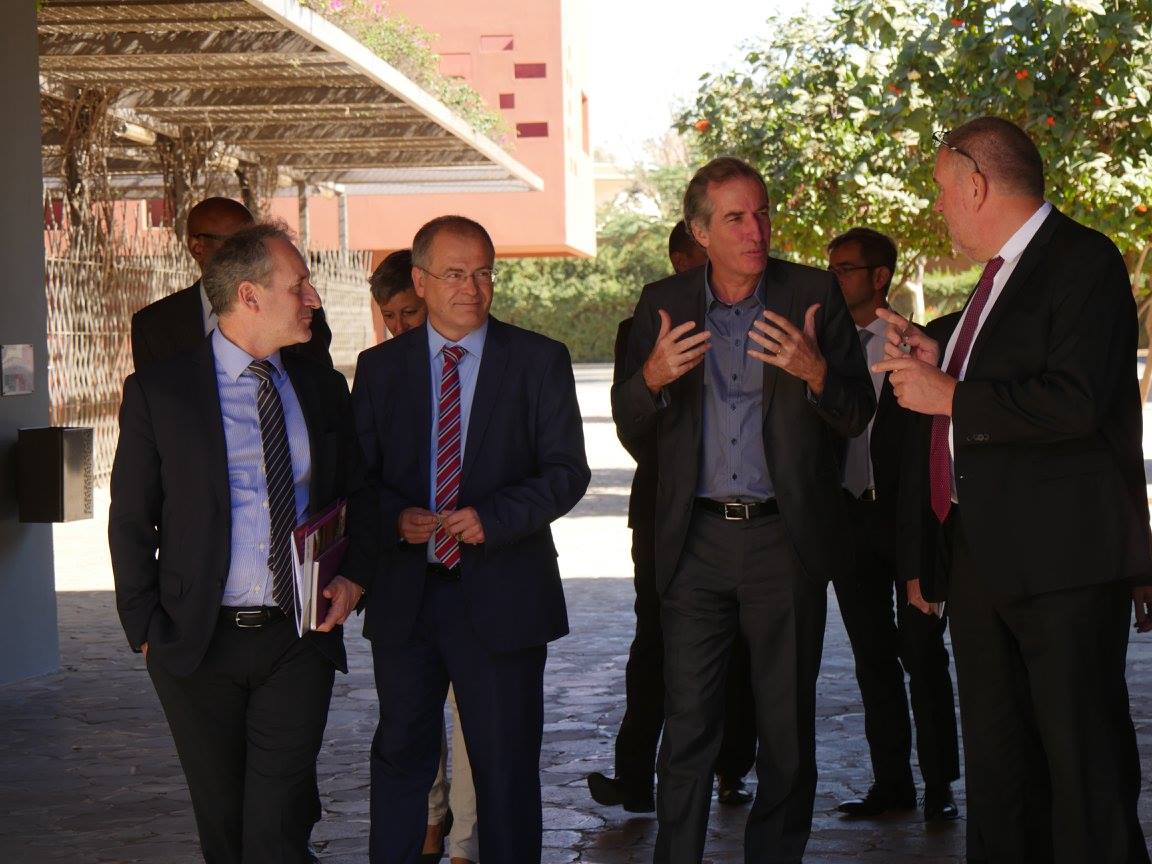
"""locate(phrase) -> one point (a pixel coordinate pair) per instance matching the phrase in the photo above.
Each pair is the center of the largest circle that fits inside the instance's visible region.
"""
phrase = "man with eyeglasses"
(180, 321)
(473, 445)
(885, 646)
(1026, 475)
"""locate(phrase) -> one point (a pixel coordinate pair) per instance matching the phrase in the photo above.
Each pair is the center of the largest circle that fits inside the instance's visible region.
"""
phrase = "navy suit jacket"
(524, 466)
(170, 523)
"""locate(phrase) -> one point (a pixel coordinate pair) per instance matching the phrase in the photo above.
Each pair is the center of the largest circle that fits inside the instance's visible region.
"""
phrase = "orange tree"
(839, 112)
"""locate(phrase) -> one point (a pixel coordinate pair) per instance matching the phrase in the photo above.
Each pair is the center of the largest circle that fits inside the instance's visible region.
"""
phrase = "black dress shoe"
(939, 805)
(612, 793)
(731, 792)
(878, 802)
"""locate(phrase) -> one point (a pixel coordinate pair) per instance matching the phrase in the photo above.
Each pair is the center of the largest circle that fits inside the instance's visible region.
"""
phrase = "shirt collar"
(1016, 244)
(709, 298)
(473, 343)
(877, 327)
(234, 360)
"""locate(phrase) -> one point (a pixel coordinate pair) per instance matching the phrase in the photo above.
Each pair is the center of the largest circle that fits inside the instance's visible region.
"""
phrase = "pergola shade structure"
(266, 83)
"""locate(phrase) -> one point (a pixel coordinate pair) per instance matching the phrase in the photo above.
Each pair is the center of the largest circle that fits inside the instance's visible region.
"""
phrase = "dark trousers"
(740, 578)
(886, 644)
(248, 725)
(1052, 770)
(501, 703)
(644, 687)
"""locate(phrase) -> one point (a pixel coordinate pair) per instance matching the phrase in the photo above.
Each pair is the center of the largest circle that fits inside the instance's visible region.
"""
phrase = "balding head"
(1003, 153)
(210, 223)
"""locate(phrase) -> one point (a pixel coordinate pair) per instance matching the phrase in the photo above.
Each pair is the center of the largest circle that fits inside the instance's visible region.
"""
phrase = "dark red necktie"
(444, 545)
(939, 459)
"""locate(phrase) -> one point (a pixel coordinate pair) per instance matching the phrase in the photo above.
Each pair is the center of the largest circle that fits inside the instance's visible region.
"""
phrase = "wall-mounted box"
(54, 473)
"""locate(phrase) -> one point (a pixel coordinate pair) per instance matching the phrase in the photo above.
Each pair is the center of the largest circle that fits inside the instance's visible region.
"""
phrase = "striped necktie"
(939, 456)
(281, 493)
(445, 547)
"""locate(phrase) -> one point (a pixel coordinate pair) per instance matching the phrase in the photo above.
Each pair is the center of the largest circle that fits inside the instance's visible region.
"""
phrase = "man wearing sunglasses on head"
(1026, 474)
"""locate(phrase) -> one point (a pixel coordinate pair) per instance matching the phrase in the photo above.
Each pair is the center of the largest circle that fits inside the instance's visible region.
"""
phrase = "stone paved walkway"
(88, 773)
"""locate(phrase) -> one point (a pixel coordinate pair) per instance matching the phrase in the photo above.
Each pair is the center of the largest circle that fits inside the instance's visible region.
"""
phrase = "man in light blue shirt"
(223, 450)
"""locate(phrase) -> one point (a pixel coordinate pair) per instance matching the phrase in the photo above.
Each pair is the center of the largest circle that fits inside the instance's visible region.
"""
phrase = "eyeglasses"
(456, 278)
(941, 139)
(845, 269)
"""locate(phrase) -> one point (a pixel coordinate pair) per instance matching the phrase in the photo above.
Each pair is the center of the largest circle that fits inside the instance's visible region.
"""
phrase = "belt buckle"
(735, 511)
(241, 617)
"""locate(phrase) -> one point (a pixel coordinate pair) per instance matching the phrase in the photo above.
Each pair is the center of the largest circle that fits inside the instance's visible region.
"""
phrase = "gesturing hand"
(905, 339)
(918, 386)
(786, 346)
(674, 352)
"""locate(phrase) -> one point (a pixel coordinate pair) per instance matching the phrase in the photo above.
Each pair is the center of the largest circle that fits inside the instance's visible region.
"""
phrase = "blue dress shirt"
(249, 579)
(468, 368)
(732, 462)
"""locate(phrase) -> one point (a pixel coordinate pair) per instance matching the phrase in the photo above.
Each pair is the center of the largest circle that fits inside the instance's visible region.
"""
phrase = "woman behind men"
(402, 310)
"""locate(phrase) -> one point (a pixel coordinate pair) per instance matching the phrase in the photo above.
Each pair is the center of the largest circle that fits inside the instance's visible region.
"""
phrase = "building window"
(531, 70)
(531, 130)
(496, 43)
(158, 215)
(456, 65)
(507, 100)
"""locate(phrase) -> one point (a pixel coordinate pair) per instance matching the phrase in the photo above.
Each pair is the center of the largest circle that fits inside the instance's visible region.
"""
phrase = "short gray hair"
(697, 206)
(243, 257)
(422, 242)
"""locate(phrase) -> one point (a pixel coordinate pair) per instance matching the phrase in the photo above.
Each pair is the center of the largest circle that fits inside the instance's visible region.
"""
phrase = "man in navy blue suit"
(473, 445)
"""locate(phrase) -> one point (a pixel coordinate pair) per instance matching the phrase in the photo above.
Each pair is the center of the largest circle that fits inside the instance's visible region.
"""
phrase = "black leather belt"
(448, 574)
(738, 511)
(250, 617)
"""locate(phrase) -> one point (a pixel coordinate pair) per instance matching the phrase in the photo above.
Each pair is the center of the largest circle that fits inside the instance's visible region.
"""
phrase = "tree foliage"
(839, 112)
(580, 300)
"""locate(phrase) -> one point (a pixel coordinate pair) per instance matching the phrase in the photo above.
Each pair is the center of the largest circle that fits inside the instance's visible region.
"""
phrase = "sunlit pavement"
(88, 772)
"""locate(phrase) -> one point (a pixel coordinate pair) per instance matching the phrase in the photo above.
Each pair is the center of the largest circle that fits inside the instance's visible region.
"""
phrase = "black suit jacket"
(524, 466)
(642, 499)
(170, 495)
(1047, 426)
(176, 323)
(802, 439)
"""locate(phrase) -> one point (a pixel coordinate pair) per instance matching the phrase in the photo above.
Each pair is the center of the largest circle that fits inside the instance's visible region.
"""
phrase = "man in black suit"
(222, 449)
(885, 646)
(643, 718)
(1028, 475)
(747, 415)
(180, 321)
(473, 445)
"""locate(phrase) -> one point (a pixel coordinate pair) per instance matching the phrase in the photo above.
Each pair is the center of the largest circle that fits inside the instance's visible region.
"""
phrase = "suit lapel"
(696, 309)
(778, 298)
(304, 387)
(484, 397)
(418, 380)
(1033, 254)
(187, 326)
(208, 397)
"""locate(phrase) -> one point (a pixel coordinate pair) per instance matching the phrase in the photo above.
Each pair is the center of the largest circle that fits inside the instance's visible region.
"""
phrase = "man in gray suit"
(746, 371)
